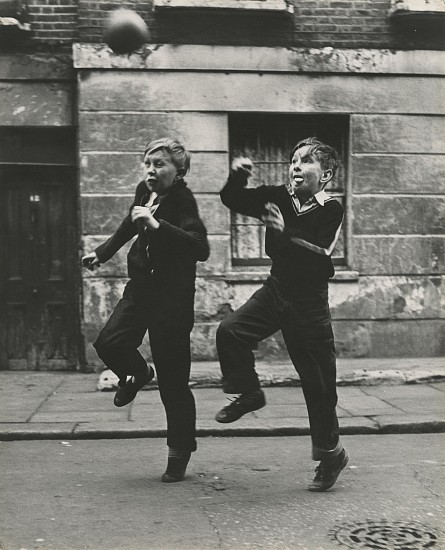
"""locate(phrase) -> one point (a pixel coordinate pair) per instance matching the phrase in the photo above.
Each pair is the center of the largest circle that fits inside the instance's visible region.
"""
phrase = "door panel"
(38, 290)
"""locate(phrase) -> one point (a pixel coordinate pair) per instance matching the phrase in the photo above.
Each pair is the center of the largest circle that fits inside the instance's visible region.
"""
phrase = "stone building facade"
(225, 78)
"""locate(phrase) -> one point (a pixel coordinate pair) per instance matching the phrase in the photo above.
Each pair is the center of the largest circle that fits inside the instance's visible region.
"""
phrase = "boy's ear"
(326, 176)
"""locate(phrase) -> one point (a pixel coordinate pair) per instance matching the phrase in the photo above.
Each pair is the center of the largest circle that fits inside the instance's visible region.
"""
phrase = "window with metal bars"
(267, 140)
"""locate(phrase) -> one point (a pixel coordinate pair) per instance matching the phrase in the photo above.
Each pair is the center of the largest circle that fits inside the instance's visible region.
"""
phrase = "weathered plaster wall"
(36, 90)
(390, 300)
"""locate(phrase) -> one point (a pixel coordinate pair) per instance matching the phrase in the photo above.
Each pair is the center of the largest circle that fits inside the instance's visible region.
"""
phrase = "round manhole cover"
(384, 535)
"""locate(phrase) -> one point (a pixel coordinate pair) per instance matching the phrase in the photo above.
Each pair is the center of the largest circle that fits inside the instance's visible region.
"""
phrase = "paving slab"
(77, 402)
(48, 405)
(367, 406)
(417, 407)
(404, 391)
(438, 386)
(78, 416)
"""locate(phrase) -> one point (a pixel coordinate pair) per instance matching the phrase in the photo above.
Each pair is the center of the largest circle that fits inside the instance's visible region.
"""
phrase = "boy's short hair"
(326, 155)
(179, 155)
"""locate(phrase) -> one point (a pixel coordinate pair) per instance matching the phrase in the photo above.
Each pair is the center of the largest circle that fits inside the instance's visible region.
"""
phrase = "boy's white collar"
(321, 197)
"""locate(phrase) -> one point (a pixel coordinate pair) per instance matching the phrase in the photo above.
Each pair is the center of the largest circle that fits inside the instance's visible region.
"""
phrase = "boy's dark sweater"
(292, 264)
(174, 248)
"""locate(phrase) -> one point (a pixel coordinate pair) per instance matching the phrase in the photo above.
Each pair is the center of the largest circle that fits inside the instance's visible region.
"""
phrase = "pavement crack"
(217, 532)
(383, 401)
(418, 477)
(40, 405)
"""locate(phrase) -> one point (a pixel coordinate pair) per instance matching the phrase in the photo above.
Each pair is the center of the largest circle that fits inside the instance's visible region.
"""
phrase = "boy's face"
(160, 172)
(306, 176)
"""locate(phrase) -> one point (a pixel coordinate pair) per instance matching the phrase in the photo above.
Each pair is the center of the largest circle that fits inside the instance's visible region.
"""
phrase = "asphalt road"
(239, 493)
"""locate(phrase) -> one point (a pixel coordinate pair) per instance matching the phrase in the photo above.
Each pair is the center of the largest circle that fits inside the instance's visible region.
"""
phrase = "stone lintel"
(261, 59)
(15, 66)
(258, 6)
(416, 8)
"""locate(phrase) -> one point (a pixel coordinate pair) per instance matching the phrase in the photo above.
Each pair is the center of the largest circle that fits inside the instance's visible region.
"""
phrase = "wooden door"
(38, 275)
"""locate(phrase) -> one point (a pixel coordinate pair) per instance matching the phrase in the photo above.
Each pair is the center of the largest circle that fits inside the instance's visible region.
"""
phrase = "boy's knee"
(103, 348)
(225, 329)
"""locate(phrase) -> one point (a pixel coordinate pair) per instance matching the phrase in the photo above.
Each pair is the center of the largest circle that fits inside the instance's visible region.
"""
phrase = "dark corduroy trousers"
(304, 319)
(169, 321)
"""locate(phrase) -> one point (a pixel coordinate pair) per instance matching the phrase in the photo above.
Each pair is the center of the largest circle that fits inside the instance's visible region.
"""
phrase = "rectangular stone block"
(36, 66)
(398, 173)
(214, 214)
(121, 172)
(208, 172)
(102, 215)
(388, 298)
(214, 91)
(379, 215)
(399, 134)
(36, 104)
(247, 241)
(212, 299)
(100, 297)
(200, 57)
(219, 261)
(203, 346)
(390, 338)
(131, 131)
(110, 173)
(116, 267)
(398, 255)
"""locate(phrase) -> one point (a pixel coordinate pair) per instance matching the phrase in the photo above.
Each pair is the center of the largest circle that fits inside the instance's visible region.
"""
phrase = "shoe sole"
(318, 489)
(133, 391)
(224, 421)
(169, 478)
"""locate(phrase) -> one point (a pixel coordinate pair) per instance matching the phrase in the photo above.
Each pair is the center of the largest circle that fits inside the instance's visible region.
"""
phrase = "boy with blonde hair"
(159, 296)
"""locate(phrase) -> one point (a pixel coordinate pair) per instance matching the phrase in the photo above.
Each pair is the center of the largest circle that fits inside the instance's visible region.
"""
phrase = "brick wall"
(53, 21)
(315, 23)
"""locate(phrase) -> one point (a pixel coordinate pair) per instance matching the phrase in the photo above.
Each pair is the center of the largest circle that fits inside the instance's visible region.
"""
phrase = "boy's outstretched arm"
(90, 261)
(234, 195)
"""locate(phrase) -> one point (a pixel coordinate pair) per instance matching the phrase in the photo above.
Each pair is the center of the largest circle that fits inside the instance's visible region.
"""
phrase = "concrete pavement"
(241, 493)
(375, 396)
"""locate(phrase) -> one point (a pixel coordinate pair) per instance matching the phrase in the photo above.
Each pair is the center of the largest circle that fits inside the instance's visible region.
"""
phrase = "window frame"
(317, 122)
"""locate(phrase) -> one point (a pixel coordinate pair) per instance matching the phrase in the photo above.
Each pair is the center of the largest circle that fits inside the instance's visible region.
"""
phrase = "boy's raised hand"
(242, 164)
(143, 213)
(90, 261)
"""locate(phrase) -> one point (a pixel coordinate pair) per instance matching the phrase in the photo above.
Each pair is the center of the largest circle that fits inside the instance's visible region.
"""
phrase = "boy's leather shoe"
(327, 472)
(246, 402)
(125, 394)
(176, 468)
